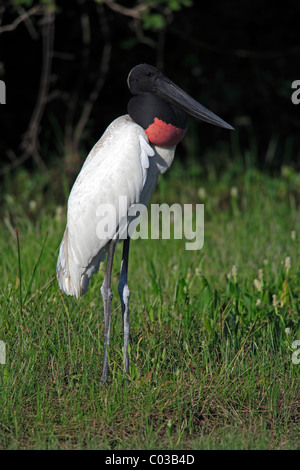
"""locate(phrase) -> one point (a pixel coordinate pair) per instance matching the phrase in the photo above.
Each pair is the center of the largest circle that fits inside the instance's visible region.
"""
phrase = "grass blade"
(35, 267)
(20, 271)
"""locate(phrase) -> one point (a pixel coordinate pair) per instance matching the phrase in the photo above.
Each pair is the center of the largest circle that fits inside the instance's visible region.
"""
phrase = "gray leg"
(107, 297)
(124, 296)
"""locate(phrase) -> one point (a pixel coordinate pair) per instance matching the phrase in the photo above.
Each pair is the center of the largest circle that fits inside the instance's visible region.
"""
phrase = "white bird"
(120, 171)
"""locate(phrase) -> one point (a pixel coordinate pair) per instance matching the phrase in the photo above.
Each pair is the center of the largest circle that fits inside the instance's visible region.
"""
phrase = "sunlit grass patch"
(211, 331)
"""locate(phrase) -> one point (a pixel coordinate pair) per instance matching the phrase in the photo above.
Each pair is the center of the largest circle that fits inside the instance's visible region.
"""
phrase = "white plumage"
(121, 164)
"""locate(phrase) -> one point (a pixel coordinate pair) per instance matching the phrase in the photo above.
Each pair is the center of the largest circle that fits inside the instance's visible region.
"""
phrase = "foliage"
(211, 331)
(158, 21)
(239, 62)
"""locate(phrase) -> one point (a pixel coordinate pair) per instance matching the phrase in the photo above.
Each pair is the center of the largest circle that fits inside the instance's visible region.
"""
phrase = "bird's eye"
(148, 74)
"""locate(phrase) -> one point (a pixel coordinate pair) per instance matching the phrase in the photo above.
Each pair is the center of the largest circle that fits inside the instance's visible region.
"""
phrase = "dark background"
(65, 69)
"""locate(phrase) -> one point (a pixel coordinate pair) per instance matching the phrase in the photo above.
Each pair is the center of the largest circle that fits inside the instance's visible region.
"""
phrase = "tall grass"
(211, 330)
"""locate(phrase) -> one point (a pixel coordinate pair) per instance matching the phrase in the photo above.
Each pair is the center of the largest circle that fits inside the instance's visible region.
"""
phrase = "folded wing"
(114, 177)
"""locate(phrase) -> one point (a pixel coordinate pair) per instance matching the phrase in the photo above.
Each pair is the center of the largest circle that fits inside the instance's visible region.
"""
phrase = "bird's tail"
(66, 276)
(73, 279)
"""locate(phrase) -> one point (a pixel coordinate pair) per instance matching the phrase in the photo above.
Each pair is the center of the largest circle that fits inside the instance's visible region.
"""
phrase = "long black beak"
(168, 91)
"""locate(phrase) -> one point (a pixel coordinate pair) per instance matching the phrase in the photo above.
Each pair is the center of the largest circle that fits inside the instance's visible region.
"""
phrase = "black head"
(148, 79)
(142, 79)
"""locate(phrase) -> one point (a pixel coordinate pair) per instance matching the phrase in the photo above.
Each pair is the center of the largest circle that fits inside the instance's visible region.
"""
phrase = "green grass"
(211, 352)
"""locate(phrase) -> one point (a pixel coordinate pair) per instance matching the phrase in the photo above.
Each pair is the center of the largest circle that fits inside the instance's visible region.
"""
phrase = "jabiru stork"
(125, 162)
